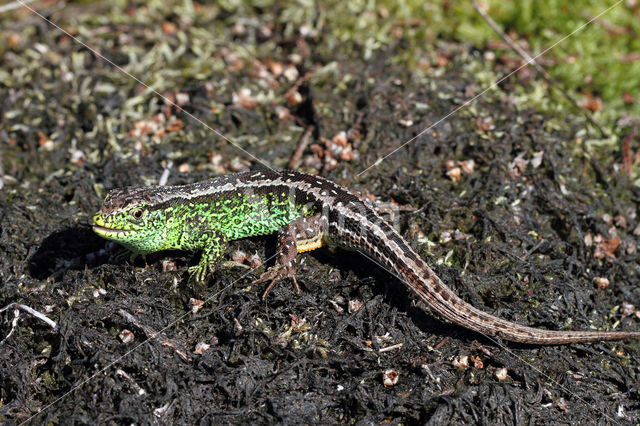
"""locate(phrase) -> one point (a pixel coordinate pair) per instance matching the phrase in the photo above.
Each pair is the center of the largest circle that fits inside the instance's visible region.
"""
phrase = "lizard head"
(127, 217)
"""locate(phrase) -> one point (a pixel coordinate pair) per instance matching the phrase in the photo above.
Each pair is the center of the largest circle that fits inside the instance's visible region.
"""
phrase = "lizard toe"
(275, 275)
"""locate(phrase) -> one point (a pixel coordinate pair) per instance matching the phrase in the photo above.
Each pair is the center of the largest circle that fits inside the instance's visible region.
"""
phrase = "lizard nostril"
(98, 220)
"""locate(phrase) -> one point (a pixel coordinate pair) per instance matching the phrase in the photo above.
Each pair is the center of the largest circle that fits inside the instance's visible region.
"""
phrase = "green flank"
(204, 224)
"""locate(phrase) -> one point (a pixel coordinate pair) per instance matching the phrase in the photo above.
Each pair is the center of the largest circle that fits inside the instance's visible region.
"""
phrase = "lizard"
(306, 212)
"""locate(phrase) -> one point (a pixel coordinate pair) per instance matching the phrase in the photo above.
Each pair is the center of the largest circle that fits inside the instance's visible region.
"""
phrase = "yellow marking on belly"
(309, 244)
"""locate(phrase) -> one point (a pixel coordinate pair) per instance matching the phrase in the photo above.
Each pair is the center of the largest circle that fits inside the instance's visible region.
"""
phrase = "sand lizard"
(307, 212)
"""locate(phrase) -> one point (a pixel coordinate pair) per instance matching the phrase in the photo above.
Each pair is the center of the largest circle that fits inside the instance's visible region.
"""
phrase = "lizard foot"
(276, 274)
(198, 272)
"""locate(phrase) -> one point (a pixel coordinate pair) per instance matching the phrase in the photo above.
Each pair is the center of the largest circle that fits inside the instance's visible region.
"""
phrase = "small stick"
(17, 307)
(627, 161)
(1, 174)
(545, 75)
(136, 387)
(165, 174)
(302, 145)
(390, 348)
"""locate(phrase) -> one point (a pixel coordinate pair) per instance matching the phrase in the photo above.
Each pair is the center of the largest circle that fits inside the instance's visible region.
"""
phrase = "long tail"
(419, 277)
(355, 225)
(445, 302)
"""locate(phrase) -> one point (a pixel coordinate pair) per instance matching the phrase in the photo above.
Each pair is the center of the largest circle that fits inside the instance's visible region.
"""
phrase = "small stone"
(459, 235)
(168, 265)
(455, 174)
(561, 403)
(184, 168)
(291, 73)
(239, 165)
(293, 98)
(354, 306)
(340, 138)
(169, 28)
(518, 166)
(255, 261)
(467, 166)
(501, 374)
(283, 113)
(244, 99)
(477, 362)
(238, 29)
(238, 256)
(13, 40)
(195, 304)
(126, 336)
(77, 157)
(347, 154)
(536, 161)
(182, 98)
(627, 309)
(445, 237)
(295, 58)
(201, 348)
(461, 362)
(390, 377)
(275, 67)
(601, 282)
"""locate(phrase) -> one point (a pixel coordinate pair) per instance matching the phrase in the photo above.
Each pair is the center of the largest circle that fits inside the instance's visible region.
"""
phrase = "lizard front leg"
(303, 234)
(213, 247)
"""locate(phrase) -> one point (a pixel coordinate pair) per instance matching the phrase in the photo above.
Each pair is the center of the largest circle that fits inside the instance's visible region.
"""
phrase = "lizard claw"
(198, 272)
(275, 275)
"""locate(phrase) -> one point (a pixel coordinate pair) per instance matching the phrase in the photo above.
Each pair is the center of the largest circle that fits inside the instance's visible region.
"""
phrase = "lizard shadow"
(72, 248)
(78, 248)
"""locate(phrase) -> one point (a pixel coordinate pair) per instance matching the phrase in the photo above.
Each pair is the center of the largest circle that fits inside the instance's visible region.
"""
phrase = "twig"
(17, 307)
(302, 145)
(545, 75)
(627, 161)
(14, 323)
(165, 174)
(390, 348)
(136, 387)
(1, 174)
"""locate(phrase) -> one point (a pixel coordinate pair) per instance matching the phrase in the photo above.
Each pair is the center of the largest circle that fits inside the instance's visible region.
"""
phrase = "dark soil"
(533, 238)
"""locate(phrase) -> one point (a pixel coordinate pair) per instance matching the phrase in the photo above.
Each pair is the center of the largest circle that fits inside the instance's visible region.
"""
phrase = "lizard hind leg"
(303, 234)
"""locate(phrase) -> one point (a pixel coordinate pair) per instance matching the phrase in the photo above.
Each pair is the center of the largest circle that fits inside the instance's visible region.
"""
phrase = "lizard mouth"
(108, 232)
(104, 231)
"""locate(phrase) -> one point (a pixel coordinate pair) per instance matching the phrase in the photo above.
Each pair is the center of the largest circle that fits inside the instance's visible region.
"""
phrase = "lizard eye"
(137, 214)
